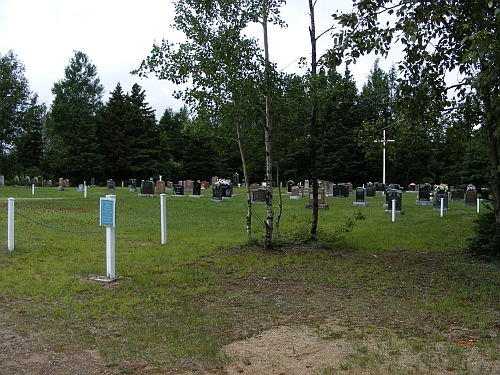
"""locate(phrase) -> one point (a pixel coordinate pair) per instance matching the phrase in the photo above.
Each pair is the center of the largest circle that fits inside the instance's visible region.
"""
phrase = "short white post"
(10, 224)
(85, 191)
(442, 207)
(163, 218)
(393, 210)
(33, 189)
(478, 205)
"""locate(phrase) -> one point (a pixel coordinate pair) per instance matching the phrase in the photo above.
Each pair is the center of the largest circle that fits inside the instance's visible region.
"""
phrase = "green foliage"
(486, 240)
(73, 121)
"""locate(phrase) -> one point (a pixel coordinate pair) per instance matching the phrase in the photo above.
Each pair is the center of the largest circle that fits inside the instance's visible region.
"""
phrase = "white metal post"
(478, 205)
(393, 210)
(33, 189)
(163, 219)
(85, 191)
(10, 224)
(110, 247)
(442, 207)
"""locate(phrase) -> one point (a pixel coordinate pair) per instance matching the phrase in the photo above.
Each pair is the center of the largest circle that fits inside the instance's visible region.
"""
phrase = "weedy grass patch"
(405, 284)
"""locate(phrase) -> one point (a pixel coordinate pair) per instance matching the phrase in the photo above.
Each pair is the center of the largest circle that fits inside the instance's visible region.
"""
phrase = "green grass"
(177, 304)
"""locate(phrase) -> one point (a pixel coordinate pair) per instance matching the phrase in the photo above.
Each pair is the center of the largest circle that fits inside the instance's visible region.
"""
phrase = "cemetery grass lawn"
(405, 287)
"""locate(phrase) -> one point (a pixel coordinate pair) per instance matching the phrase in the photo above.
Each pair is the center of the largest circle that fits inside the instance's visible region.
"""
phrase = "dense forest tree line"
(80, 137)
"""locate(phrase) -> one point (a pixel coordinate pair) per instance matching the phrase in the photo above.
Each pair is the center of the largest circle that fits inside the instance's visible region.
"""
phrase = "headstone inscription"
(179, 190)
(360, 197)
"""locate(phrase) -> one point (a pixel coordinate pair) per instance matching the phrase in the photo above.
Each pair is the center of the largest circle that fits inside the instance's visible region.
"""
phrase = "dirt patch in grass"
(386, 317)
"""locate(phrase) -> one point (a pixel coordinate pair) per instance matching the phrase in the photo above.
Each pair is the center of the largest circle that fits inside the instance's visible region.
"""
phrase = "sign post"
(108, 219)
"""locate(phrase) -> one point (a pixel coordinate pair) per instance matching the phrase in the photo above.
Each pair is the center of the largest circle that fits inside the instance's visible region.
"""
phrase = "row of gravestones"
(35, 182)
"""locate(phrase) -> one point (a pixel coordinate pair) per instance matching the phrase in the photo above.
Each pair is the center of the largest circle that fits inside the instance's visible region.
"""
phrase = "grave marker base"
(424, 203)
(397, 212)
(360, 204)
(195, 196)
(146, 195)
(320, 206)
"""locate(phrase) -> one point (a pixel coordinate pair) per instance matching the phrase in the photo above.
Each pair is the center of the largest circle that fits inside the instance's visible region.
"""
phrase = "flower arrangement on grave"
(222, 182)
(441, 189)
(369, 184)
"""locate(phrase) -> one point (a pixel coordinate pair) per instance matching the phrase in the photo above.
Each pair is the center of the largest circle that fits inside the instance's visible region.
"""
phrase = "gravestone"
(216, 193)
(27, 181)
(196, 190)
(379, 186)
(213, 181)
(227, 191)
(321, 199)
(147, 189)
(457, 195)
(424, 195)
(178, 190)
(236, 179)
(188, 185)
(170, 185)
(49, 183)
(484, 193)
(254, 186)
(471, 198)
(295, 192)
(35, 181)
(412, 188)
(360, 197)
(437, 201)
(2, 180)
(160, 187)
(306, 184)
(80, 188)
(205, 185)
(371, 192)
(66, 182)
(110, 185)
(393, 194)
(259, 195)
(289, 185)
(16, 181)
(132, 183)
(341, 191)
(92, 182)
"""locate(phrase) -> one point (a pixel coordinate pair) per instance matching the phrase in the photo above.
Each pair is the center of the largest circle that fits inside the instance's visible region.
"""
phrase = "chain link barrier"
(157, 208)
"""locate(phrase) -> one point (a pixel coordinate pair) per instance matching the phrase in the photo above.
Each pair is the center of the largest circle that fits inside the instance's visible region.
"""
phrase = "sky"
(117, 35)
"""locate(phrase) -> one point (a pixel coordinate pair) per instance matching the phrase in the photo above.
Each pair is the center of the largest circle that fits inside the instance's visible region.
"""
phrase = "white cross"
(384, 141)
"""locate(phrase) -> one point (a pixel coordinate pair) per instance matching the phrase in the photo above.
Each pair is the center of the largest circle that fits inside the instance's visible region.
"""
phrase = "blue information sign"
(108, 212)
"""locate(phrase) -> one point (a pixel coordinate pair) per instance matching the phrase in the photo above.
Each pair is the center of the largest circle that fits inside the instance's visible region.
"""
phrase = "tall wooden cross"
(384, 141)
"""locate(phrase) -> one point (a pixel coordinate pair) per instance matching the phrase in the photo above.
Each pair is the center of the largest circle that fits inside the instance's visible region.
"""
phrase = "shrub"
(486, 240)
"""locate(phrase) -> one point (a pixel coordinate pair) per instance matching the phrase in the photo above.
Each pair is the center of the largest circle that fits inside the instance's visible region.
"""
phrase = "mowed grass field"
(178, 304)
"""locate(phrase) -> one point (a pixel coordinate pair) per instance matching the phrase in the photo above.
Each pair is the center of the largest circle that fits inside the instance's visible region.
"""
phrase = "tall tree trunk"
(280, 201)
(313, 120)
(247, 185)
(268, 239)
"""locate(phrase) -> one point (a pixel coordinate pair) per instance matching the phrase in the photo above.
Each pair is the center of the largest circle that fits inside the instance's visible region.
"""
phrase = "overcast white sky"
(117, 35)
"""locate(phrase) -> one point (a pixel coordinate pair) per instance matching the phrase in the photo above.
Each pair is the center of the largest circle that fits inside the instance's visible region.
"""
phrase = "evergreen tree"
(115, 133)
(74, 120)
(144, 145)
